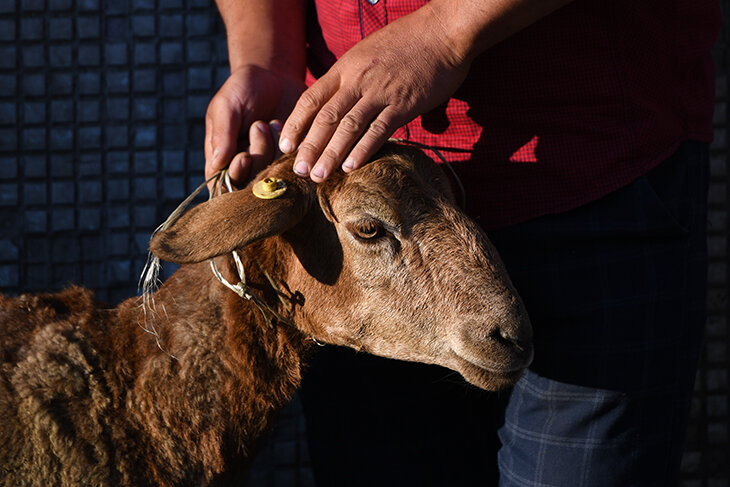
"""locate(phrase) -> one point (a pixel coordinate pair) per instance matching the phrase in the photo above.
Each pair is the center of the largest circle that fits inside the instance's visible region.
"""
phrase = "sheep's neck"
(221, 370)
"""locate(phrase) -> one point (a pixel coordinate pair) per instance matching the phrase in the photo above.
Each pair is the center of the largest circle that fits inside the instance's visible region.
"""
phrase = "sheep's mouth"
(489, 378)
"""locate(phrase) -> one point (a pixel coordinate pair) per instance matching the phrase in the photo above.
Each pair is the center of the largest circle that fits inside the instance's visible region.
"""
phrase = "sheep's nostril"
(495, 347)
(511, 340)
(519, 341)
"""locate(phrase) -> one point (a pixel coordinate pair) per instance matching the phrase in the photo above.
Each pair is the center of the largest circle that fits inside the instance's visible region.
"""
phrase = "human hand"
(242, 122)
(405, 69)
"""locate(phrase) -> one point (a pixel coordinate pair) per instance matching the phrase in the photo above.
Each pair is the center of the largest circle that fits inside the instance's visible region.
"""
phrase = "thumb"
(222, 128)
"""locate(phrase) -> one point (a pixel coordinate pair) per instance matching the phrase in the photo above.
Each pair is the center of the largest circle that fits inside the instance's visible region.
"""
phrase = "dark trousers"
(616, 294)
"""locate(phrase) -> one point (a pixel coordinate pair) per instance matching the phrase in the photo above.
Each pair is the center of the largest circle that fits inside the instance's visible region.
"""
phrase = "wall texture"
(101, 128)
(707, 452)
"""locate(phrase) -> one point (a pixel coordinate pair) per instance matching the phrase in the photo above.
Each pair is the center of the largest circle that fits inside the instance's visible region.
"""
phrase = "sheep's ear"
(325, 190)
(231, 221)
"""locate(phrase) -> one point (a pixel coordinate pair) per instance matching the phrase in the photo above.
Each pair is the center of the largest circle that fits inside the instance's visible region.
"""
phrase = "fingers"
(260, 150)
(222, 126)
(351, 127)
(308, 107)
(240, 168)
(276, 126)
(344, 139)
(316, 145)
(373, 139)
(261, 147)
(333, 129)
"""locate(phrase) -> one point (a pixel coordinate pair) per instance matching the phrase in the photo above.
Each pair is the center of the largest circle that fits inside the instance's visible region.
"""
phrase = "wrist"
(470, 27)
(460, 27)
(244, 54)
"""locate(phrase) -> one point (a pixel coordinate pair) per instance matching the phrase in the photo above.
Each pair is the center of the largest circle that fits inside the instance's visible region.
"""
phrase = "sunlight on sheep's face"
(423, 282)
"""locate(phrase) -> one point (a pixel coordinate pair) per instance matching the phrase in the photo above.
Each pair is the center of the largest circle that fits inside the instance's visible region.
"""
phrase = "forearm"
(473, 26)
(265, 33)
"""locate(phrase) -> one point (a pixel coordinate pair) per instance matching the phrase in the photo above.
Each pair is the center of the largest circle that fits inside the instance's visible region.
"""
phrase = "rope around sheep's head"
(149, 280)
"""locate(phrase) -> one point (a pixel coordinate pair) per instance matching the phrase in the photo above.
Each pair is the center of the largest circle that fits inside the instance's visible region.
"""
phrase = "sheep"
(380, 260)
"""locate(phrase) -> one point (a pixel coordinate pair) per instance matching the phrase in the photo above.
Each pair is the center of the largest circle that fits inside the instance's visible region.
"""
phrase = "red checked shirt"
(571, 108)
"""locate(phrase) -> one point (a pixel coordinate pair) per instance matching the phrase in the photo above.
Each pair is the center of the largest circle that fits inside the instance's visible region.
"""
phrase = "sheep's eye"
(366, 229)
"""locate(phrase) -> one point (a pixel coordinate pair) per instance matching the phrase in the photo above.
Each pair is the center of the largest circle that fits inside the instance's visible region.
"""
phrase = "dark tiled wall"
(707, 452)
(101, 131)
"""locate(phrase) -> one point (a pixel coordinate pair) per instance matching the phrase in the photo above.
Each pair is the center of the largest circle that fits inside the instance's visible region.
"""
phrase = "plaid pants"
(616, 294)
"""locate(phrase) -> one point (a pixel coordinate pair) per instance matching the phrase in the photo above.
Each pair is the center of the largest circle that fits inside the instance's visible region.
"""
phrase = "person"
(580, 131)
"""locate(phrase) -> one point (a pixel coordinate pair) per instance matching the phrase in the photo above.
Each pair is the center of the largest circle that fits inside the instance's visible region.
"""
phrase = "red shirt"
(567, 110)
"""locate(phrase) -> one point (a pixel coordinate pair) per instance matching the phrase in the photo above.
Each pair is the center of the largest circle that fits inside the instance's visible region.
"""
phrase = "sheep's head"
(385, 260)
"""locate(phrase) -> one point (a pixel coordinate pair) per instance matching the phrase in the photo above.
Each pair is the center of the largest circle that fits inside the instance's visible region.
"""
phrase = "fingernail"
(301, 168)
(243, 160)
(275, 125)
(349, 163)
(286, 146)
(216, 154)
(318, 172)
(261, 126)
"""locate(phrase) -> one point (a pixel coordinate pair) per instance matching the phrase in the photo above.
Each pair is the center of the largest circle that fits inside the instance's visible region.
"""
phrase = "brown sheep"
(380, 260)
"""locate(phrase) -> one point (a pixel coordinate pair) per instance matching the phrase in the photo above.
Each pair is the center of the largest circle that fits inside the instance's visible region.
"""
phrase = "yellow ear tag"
(269, 188)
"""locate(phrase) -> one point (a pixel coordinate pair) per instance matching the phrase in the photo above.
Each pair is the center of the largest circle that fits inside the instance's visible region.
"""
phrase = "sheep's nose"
(514, 331)
(509, 337)
(501, 340)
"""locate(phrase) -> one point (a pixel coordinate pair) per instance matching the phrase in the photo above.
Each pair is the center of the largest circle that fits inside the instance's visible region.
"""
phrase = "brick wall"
(101, 128)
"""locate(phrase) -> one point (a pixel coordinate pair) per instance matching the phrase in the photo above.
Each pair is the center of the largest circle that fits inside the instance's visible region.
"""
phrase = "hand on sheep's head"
(405, 69)
(242, 124)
